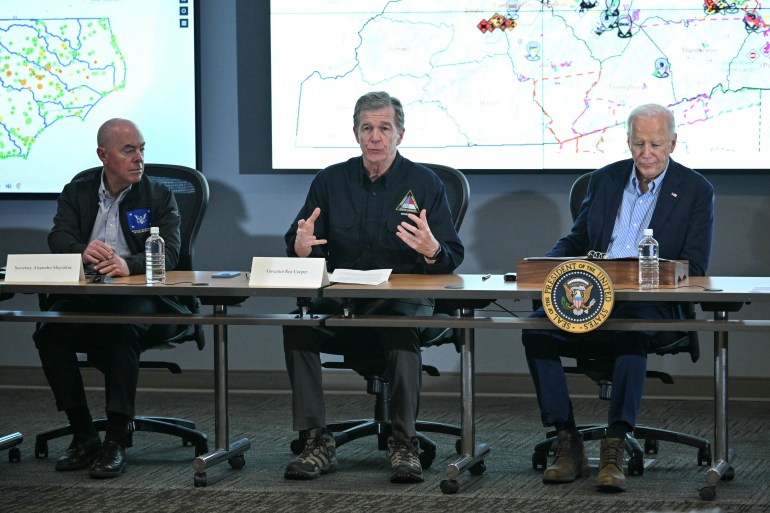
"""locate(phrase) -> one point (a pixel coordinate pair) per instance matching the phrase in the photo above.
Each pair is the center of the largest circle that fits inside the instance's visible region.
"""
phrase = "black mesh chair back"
(457, 191)
(577, 193)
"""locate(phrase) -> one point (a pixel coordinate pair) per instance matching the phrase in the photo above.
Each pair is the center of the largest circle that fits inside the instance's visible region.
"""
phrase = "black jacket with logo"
(359, 218)
(76, 213)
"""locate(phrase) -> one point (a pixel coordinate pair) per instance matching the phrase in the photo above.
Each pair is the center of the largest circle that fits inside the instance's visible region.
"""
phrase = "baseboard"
(336, 381)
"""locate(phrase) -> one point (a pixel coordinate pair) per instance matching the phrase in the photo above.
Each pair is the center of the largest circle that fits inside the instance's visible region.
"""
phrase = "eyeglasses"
(596, 255)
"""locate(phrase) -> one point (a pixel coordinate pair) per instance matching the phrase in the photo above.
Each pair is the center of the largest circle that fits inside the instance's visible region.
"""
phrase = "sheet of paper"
(373, 277)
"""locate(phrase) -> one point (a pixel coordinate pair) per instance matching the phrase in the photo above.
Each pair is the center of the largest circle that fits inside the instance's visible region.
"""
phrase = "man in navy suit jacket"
(647, 191)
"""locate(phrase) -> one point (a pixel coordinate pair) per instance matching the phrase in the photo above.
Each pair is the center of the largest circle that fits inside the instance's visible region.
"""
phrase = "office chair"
(191, 191)
(371, 366)
(11, 440)
(600, 371)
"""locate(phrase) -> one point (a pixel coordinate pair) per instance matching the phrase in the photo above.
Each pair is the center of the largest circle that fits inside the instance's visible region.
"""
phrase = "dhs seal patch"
(578, 296)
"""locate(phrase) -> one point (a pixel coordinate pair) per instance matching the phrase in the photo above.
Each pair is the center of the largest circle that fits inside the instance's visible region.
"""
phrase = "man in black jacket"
(376, 211)
(106, 217)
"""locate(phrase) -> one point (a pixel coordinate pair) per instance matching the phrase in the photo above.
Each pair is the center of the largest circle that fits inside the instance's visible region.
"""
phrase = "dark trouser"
(629, 350)
(399, 349)
(114, 349)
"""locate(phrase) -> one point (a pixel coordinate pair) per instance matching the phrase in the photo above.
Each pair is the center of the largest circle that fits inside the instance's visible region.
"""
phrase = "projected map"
(67, 67)
(52, 70)
(530, 85)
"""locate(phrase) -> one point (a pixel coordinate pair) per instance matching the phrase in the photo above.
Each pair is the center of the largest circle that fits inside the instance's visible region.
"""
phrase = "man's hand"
(113, 266)
(418, 235)
(305, 238)
(97, 251)
(104, 259)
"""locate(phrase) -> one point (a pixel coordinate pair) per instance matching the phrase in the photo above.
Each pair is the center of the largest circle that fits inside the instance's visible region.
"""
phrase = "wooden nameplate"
(624, 273)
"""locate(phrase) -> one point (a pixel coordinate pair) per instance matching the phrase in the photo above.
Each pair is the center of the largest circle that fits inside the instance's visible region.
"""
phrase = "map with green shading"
(53, 71)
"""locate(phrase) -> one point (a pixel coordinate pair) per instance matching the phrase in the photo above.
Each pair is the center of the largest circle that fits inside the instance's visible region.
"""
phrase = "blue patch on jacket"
(139, 220)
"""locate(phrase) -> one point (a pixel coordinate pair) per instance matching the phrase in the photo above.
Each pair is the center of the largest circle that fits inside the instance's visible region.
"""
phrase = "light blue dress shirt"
(107, 224)
(634, 216)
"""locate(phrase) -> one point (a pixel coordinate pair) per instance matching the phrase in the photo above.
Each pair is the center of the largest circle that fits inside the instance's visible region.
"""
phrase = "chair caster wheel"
(539, 460)
(729, 474)
(41, 449)
(426, 459)
(449, 486)
(14, 454)
(478, 469)
(296, 446)
(237, 462)
(704, 456)
(635, 465)
(200, 479)
(201, 449)
(708, 493)
(651, 446)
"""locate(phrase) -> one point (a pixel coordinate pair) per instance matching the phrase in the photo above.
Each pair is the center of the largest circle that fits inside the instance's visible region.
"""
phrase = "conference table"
(720, 295)
(219, 293)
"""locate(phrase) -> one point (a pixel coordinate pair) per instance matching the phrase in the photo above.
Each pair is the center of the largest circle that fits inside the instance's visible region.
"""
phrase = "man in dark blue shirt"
(376, 211)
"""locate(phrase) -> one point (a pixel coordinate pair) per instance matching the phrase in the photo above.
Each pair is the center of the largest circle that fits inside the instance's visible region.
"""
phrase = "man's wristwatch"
(437, 254)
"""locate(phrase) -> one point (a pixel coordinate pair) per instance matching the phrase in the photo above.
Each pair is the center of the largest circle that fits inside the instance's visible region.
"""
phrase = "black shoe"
(111, 461)
(80, 454)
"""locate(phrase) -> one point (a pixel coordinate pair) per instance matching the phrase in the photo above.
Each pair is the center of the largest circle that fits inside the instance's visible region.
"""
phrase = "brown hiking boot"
(611, 477)
(318, 457)
(570, 461)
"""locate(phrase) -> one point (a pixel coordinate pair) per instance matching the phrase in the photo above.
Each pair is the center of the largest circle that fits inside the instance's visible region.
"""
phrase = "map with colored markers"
(525, 85)
(52, 70)
(66, 67)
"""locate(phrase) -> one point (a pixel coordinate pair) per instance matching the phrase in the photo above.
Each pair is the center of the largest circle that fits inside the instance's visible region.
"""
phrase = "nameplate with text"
(288, 272)
(58, 268)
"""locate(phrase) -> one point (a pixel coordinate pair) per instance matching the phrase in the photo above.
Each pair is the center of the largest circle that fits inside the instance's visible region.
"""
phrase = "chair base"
(10, 442)
(650, 435)
(181, 428)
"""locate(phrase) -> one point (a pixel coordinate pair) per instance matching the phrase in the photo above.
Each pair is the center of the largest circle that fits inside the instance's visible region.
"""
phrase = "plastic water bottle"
(155, 257)
(649, 272)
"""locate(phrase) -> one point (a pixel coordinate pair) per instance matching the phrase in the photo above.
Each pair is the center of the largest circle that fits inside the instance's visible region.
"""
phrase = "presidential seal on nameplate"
(578, 296)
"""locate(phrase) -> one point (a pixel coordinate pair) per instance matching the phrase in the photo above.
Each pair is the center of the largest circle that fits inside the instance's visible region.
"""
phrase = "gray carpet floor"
(159, 477)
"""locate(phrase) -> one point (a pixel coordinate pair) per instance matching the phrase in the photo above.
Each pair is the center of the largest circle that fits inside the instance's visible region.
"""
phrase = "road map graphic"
(51, 70)
(530, 85)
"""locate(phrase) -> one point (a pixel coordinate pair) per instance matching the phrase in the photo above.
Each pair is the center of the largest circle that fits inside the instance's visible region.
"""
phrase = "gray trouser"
(398, 349)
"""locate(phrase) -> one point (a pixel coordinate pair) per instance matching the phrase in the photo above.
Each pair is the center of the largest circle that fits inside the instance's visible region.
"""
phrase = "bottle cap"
(648, 231)
(155, 230)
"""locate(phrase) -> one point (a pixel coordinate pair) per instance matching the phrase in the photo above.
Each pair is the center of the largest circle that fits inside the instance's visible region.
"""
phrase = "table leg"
(723, 454)
(232, 452)
(472, 457)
